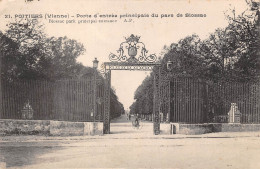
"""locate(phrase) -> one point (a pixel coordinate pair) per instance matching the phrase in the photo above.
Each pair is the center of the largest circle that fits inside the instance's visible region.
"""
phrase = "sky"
(101, 39)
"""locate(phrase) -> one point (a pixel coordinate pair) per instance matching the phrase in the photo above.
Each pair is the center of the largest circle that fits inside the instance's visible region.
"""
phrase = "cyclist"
(136, 121)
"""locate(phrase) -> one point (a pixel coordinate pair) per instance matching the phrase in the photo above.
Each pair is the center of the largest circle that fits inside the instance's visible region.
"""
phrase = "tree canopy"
(228, 54)
(30, 54)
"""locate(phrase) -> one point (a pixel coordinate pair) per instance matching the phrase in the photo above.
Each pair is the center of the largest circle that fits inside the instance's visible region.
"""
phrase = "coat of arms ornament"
(132, 51)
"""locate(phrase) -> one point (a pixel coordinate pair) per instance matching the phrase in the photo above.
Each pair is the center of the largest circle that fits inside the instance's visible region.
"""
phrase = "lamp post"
(95, 65)
(169, 65)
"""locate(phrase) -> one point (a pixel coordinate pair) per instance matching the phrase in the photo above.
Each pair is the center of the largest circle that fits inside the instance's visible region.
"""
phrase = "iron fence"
(195, 101)
(187, 100)
(245, 95)
(68, 100)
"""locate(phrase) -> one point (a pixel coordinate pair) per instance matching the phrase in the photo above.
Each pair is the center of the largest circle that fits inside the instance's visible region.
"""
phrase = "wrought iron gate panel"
(106, 123)
(156, 101)
(165, 95)
(100, 100)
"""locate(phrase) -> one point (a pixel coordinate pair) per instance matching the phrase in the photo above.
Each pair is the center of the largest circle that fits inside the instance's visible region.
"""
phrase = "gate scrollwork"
(132, 51)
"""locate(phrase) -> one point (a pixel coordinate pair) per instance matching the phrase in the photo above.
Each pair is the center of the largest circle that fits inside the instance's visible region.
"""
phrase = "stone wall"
(191, 128)
(227, 127)
(49, 127)
(178, 128)
(65, 128)
(26, 127)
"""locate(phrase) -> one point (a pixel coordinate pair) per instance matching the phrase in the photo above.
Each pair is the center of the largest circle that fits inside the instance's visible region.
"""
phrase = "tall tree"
(185, 56)
(244, 31)
(233, 52)
(9, 54)
(39, 57)
(61, 62)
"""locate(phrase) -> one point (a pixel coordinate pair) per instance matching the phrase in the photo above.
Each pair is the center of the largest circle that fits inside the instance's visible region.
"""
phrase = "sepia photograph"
(130, 84)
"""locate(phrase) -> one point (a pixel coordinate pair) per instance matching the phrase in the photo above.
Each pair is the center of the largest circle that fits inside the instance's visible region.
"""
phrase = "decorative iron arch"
(132, 56)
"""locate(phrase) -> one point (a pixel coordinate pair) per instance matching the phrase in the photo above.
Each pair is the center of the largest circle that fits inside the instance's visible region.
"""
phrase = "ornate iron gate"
(165, 96)
(134, 59)
(106, 122)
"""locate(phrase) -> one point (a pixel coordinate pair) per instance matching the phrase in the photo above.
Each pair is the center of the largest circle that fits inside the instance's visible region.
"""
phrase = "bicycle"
(136, 124)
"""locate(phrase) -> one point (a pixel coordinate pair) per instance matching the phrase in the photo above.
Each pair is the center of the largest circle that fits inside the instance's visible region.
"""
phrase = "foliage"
(234, 50)
(228, 54)
(36, 56)
(243, 32)
(8, 51)
(186, 57)
(116, 108)
(27, 53)
(144, 97)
